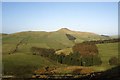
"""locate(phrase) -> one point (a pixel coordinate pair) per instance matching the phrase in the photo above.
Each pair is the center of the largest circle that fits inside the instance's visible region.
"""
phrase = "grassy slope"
(108, 50)
(22, 64)
(56, 39)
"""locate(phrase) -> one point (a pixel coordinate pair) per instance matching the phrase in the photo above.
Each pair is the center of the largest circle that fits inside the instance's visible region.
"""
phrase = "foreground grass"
(23, 65)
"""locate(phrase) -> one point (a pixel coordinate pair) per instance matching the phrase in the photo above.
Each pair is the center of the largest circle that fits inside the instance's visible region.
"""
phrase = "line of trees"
(77, 59)
(42, 51)
(103, 41)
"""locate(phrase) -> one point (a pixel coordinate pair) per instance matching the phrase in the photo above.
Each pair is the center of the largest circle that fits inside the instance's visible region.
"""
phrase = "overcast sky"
(97, 17)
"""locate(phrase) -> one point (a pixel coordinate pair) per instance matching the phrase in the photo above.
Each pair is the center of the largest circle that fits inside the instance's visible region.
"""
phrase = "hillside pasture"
(23, 65)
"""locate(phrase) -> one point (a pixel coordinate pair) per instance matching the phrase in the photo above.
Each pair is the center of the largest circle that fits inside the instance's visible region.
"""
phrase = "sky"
(60, 0)
(97, 17)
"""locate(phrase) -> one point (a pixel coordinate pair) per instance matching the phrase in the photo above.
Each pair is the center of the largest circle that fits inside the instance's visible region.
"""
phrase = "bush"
(113, 61)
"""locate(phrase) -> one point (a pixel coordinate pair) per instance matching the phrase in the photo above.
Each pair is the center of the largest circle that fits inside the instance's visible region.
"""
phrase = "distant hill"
(115, 36)
(56, 39)
(2, 34)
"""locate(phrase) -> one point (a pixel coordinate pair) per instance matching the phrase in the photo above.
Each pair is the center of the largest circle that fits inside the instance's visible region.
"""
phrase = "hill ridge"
(64, 30)
(55, 39)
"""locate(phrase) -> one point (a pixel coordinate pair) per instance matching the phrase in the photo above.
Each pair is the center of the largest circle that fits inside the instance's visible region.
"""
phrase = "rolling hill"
(56, 39)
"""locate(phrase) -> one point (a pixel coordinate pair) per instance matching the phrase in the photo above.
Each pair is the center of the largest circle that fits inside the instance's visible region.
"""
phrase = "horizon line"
(55, 31)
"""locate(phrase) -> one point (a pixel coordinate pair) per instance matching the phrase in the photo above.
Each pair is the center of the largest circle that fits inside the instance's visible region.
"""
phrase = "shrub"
(113, 61)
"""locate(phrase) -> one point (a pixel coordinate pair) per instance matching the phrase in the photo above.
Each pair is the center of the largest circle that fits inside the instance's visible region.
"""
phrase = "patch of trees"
(72, 59)
(103, 41)
(78, 59)
(71, 38)
(42, 51)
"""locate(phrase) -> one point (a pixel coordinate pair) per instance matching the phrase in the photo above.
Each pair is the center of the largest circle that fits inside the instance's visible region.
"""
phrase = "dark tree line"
(42, 51)
(77, 59)
(103, 41)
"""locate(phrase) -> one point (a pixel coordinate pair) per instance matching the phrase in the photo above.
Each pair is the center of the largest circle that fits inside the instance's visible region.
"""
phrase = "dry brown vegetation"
(85, 49)
(71, 70)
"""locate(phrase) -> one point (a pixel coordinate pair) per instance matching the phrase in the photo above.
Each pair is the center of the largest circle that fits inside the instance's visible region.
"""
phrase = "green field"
(22, 64)
(108, 50)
